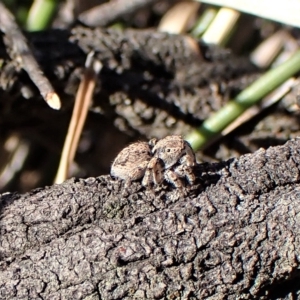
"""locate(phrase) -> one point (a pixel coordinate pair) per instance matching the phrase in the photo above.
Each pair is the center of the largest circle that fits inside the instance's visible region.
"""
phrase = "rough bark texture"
(149, 80)
(233, 235)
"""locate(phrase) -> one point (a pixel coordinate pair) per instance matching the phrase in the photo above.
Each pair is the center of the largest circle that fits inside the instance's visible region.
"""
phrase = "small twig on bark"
(109, 12)
(82, 103)
(20, 52)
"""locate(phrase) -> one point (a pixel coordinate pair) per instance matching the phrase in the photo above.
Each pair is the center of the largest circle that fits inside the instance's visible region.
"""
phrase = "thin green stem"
(203, 22)
(257, 90)
(40, 14)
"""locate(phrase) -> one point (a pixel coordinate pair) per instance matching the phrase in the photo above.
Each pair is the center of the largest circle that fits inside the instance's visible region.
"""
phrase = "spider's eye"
(168, 150)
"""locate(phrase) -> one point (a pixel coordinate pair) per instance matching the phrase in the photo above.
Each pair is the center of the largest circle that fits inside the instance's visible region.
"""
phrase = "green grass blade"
(257, 90)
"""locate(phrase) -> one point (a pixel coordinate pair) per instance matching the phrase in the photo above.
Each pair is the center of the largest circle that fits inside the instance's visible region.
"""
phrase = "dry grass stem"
(82, 103)
(179, 17)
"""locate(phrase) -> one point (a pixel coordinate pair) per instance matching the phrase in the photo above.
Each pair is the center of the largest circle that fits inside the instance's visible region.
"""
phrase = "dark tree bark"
(152, 84)
(146, 54)
(233, 235)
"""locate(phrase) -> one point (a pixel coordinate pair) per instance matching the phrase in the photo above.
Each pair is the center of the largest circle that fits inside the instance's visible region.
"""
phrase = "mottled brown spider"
(170, 158)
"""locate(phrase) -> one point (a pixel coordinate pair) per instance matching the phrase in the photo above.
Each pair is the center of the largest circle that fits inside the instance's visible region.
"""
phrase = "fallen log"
(232, 235)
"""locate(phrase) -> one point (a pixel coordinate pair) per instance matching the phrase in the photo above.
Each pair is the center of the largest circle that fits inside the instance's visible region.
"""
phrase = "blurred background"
(32, 135)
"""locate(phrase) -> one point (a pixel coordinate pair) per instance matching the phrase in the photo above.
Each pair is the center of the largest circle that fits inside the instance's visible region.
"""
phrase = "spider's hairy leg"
(154, 172)
(173, 178)
(186, 171)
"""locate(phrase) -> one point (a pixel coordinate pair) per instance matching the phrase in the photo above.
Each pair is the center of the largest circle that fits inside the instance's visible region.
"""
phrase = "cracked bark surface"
(233, 235)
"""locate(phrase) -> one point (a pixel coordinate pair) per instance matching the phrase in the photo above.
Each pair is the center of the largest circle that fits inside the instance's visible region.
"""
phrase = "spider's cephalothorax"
(172, 158)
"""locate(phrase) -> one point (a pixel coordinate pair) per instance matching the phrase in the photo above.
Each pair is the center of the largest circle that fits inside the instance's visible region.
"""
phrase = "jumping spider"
(170, 158)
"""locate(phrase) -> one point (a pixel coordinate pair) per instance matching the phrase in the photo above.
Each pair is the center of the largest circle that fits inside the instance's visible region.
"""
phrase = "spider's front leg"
(188, 158)
(187, 172)
(154, 172)
(173, 178)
